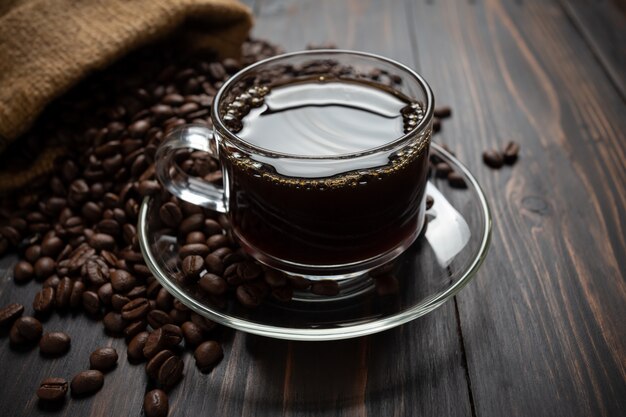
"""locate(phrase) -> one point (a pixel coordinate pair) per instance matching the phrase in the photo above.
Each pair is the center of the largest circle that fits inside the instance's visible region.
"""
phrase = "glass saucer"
(443, 259)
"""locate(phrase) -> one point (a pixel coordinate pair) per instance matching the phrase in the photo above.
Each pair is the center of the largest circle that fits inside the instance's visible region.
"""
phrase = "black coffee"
(316, 212)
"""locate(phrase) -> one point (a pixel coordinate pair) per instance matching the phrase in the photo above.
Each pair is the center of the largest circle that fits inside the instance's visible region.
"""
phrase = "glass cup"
(319, 216)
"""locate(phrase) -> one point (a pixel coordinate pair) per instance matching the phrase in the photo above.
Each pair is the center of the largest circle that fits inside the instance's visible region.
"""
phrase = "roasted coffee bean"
(87, 382)
(192, 223)
(249, 270)
(148, 187)
(214, 264)
(122, 281)
(170, 372)
(63, 293)
(192, 333)
(511, 152)
(443, 112)
(44, 301)
(217, 241)
(164, 300)
(11, 234)
(213, 284)
(103, 359)
(44, 267)
(275, 278)
(203, 323)
(78, 192)
(10, 313)
(325, 287)
(91, 302)
(192, 266)
(194, 249)
(283, 294)
(51, 282)
(170, 214)
(158, 318)
(222, 252)
(118, 302)
(32, 253)
(442, 170)
(52, 389)
(92, 212)
(429, 202)
(137, 292)
(154, 364)
(102, 241)
(114, 323)
(76, 296)
(195, 237)
(52, 246)
(139, 128)
(135, 328)
(436, 125)
(207, 355)
(54, 343)
(23, 272)
(26, 330)
(105, 292)
(136, 309)
(249, 296)
(165, 337)
(211, 227)
(493, 158)
(136, 345)
(456, 180)
(155, 403)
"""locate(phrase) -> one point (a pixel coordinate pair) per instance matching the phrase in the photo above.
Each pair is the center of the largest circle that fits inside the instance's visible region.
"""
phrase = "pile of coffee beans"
(75, 230)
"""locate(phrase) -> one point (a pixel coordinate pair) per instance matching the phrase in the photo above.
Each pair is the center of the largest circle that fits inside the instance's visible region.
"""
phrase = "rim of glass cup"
(219, 125)
(336, 333)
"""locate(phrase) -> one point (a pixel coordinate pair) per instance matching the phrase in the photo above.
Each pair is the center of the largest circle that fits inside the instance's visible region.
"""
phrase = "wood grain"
(543, 323)
(602, 24)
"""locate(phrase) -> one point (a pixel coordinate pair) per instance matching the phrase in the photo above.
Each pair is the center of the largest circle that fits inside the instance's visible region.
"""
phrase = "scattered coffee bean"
(87, 382)
(122, 281)
(136, 345)
(192, 333)
(170, 214)
(155, 363)
(158, 318)
(52, 389)
(443, 112)
(429, 202)
(207, 355)
(63, 293)
(23, 272)
(44, 301)
(103, 359)
(155, 403)
(54, 343)
(114, 323)
(26, 330)
(10, 313)
(511, 152)
(136, 309)
(170, 372)
(456, 180)
(442, 170)
(493, 158)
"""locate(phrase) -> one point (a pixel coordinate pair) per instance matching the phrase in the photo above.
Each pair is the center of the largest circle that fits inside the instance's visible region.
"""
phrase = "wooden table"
(541, 331)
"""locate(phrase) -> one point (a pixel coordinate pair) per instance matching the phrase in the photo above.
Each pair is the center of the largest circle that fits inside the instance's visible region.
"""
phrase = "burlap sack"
(47, 46)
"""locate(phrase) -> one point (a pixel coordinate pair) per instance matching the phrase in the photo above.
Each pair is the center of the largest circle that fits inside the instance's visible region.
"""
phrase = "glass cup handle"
(178, 182)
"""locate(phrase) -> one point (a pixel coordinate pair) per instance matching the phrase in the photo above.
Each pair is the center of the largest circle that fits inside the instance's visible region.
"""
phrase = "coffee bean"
(436, 125)
(456, 180)
(26, 330)
(87, 382)
(118, 302)
(103, 359)
(213, 284)
(155, 403)
(203, 323)
(195, 237)
(211, 227)
(194, 249)
(443, 112)
(170, 372)
(44, 301)
(114, 323)
(217, 241)
(23, 272)
(122, 281)
(164, 300)
(32, 253)
(158, 318)
(52, 246)
(298, 282)
(283, 294)
(78, 192)
(170, 214)
(192, 223)
(138, 128)
(148, 187)
(136, 345)
(91, 302)
(325, 287)
(222, 252)
(429, 202)
(192, 333)
(511, 152)
(442, 170)
(135, 328)
(52, 389)
(44, 267)
(493, 158)
(63, 293)
(136, 309)
(10, 313)
(249, 270)
(248, 296)
(207, 355)
(105, 292)
(166, 336)
(102, 241)
(54, 343)
(96, 271)
(192, 265)
(155, 363)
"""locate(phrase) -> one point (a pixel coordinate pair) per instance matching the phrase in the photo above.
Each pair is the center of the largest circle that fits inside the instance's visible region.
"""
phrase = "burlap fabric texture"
(47, 46)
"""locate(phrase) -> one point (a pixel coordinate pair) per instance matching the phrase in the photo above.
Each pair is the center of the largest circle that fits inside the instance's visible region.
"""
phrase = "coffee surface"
(324, 118)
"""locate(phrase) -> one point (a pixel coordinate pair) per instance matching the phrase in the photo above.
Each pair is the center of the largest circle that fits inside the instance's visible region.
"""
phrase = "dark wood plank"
(543, 323)
(603, 26)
